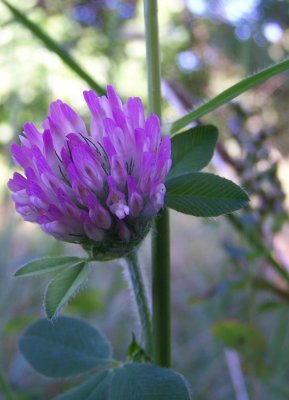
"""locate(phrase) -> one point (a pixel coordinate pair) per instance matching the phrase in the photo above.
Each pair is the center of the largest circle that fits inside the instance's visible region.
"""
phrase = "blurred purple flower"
(98, 188)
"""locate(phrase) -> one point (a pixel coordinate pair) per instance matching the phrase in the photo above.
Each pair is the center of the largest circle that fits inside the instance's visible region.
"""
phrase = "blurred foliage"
(222, 270)
(245, 339)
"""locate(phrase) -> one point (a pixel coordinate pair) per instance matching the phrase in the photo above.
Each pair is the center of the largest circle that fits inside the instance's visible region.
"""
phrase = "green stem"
(140, 295)
(160, 240)
(152, 56)
(4, 388)
(161, 290)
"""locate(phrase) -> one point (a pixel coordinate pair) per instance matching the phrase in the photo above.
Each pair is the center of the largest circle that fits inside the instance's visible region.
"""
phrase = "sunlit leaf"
(244, 338)
(17, 323)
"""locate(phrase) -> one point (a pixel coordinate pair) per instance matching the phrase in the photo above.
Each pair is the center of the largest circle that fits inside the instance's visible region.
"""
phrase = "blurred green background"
(223, 270)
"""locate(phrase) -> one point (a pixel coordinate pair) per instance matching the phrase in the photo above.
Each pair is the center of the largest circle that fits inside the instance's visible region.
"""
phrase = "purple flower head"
(98, 187)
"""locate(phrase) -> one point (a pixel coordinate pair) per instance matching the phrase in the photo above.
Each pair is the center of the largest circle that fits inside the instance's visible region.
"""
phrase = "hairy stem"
(160, 241)
(140, 295)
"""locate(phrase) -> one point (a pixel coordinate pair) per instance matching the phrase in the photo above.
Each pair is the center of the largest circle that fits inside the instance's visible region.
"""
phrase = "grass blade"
(53, 46)
(230, 93)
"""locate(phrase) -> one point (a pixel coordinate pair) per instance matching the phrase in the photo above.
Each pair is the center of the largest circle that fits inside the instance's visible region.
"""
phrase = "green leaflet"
(46, 265)
(63, 287)
(193, 149)
(65, 347)
(132, 382)
(204, 195)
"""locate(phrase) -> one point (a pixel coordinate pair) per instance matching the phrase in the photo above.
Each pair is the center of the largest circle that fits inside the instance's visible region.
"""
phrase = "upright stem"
(152, 56)
(160, 240)
(161, 290)
(140, 295)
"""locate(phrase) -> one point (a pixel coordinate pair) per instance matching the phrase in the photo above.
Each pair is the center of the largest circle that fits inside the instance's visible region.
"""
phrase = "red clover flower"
(99, 188)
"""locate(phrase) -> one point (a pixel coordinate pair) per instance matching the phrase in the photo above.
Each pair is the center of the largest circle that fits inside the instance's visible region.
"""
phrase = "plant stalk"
(161, 290)
(140, 295)
(160, 239)
(258, 245)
